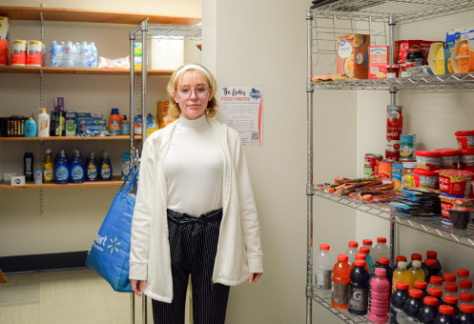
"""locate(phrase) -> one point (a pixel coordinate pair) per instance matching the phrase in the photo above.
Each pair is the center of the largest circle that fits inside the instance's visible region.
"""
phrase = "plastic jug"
(323, 267)
(114, 122)
(401, 274)
(341, 282)
(352, 251)
(397, 300)
(429, 311)
(359, 292)
(416, 273)
(379, 297)
(381, 250)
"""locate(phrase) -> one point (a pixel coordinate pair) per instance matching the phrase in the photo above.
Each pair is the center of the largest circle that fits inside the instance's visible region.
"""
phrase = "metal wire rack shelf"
(175, 32)
(429, 225)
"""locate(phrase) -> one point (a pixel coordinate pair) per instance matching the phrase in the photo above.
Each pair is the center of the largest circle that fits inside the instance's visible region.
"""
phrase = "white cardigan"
(239, 250)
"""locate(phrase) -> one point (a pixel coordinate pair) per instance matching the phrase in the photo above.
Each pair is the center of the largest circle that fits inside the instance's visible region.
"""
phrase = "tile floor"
(59, 297)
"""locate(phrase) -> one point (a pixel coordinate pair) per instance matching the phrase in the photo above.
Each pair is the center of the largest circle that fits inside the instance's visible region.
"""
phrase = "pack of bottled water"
(73, 55)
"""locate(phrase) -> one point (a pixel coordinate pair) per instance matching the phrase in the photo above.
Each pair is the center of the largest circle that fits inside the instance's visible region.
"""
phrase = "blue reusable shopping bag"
(110, 253)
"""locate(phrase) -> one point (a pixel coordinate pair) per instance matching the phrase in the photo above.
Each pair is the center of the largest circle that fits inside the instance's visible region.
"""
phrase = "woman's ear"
(175, 97)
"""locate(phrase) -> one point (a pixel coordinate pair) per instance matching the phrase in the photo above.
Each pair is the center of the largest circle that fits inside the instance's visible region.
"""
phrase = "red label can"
(392, 156)
(394, 117)
(370, 162)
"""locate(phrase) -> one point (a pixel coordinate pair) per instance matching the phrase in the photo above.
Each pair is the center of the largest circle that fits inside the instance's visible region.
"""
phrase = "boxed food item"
(463, 56)
(162, 114)
(352, 53)
(378, 61)
(439, 59)
(415, 51)
(459, 34)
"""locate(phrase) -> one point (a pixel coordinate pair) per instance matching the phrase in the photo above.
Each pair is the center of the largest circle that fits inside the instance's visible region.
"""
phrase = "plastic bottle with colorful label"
(368, 258)
(62, 168)
(397, 300)
(114, 122)
(323, 267)
(400, 274)
(384, 264)
(416, 273)
(106, 168)
(359, 288)
(379, 295)
(92, 172)
(429, 310)
(77, 168)
(341, 282)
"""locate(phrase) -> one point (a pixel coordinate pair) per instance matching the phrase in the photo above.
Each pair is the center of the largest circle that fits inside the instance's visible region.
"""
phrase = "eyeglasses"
(185, 93)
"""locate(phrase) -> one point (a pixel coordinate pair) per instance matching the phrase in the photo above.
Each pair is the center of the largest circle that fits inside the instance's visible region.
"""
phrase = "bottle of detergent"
(352, 251)
(114, 122)
(105, 168)
(341, 282)
(77, 168)
(48, 168)
(61, 168)
(359, 292)
(379, 296)
(92, 173)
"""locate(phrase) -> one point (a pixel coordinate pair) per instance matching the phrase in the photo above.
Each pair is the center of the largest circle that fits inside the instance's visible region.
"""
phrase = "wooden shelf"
(57, 70)
(94, 16)
(69, 138)
(116, 181)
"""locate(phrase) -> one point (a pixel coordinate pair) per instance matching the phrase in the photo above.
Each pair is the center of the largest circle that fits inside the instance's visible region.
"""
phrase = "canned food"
(393, 146)
(449, 158)
(394, 117)
(385, 169)
(392, 156)
(428, 160)
(407, 146)
(455, 183)
(18, 55)
(397, 171)
(370, 163)
(465, 139)
(408, 178)
(467, 160)
(426, 179)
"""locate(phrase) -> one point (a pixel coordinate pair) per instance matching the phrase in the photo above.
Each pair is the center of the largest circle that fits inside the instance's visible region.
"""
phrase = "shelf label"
(364, 208)
(345, 201)
(336, 198)
(354, 205)
(375, 211)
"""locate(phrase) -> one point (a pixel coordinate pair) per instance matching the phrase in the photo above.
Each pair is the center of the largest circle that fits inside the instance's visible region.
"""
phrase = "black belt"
(204, 219)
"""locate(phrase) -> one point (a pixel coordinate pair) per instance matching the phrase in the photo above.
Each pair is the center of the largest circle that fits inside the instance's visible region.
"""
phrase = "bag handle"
(130, 183)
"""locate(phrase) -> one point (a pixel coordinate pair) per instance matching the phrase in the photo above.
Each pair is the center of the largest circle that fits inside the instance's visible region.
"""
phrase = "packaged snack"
(465, 139)
(426, 179)
(428, 160)
(378, 60)
(352, 51)
(455, 183)
(439, 59)
(463, 56)
(416, 50)
(162, 114)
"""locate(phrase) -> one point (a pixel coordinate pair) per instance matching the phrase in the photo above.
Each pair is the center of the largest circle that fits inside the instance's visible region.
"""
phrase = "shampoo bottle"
(106, 168)
(30, 127)
(43, 123)
(62, 168)
(92, 173)
(77, 168)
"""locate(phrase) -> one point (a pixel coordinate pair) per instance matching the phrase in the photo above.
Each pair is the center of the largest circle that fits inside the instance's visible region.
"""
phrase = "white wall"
(434, 117)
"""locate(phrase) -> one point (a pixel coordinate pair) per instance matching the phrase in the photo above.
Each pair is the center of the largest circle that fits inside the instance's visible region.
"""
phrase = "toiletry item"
(125, 126)
(30, 127)
(28, 167)
(18, 181)
(59, 104)
(71, 123)
(114, 122)
(48, 168)
(106, 168)
(61, 168)
(38, 176)
(77, 168)
(7, 177)
(92, 173)
(43, 123)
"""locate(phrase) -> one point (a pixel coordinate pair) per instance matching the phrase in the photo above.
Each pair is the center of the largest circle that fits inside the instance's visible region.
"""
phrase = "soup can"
(394, 117)
(407, 146)
(18, 56)
(371, 161)
(385, 169)
(392, 155)
(34, 53)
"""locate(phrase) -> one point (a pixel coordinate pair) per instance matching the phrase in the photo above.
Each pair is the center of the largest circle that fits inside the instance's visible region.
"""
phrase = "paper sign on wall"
(241, 109)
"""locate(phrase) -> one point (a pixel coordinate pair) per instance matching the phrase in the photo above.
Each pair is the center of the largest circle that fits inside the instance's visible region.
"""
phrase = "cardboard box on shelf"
(352, 55)
(378, 61)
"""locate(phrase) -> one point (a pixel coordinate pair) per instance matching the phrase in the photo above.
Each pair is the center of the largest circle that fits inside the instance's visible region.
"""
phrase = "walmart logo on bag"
(113, 245)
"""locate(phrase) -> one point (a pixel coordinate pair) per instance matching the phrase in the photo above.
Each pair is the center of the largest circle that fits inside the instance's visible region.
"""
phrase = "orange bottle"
(361, 256)
(114, 122)
(341, 282)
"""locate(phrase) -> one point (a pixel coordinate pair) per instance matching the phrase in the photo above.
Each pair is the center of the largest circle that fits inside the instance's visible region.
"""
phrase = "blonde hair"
(174, 111)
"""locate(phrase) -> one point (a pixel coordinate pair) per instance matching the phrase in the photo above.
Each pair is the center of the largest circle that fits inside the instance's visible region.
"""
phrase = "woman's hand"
(138, 286)
(253, 277)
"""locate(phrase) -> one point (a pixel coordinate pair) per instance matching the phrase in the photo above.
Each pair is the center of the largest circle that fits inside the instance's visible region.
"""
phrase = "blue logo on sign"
(255, 94)
(18, 181)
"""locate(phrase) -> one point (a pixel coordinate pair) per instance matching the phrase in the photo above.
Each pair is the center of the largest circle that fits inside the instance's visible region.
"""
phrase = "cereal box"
(378, 60)
(352, 55)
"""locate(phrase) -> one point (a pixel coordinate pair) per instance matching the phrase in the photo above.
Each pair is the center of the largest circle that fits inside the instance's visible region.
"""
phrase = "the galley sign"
(241, 109)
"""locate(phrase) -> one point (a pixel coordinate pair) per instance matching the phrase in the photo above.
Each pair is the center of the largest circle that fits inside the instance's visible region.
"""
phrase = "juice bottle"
(466, 315)
(463, 274)
(445, 315)
(323, 267)
(453, 302)
(368, 258)
(361, 256)
(414, 256)
(416, 273)
(435, 282)
(368, 244)
(397, 301)
(465, 285)
(429, 311)
(422, 285)
(341, 282)
(352, 251)
(432, 269)
(400, 274)
(411, 308)
(466, 298)
(381, 250)
(384, 264)
(437, 293)
(434, 255)
(449, 277)
(48, 168)
(379, 297)
(359, 291)
(398, 259)
(450, 288)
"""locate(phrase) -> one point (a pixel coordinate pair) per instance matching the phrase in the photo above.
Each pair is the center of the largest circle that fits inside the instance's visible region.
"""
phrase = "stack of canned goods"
(394, 130)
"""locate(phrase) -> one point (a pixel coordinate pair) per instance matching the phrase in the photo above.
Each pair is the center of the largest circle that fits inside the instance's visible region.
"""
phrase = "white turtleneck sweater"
(194, 168)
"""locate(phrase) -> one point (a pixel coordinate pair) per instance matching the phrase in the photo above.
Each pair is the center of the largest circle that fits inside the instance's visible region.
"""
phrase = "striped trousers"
(193, 247)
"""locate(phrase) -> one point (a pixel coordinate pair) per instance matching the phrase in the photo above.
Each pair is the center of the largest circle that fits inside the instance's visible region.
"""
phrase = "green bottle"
(48, 168)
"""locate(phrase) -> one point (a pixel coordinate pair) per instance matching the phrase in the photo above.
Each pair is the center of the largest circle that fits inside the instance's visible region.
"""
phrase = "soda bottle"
(450, 277)
(361, 256)
(434, 255)
(352, 251)
(398, 258)
(70, 54)
(384, 264)
(416, 273)
(411, 308)
(429, 311)
(379, 297)
(53, 54)
(465, 285)
(381, 250)
(323, 268)
(463, 274)
(432, 269)
(451, 288)
(466, 298)
(401, 274)
(435, 282)
(466, 315)
(414, 256)
(445, 315)
(368, 258)
(437, 293)
(341, 282)
(453, 302)
(422, 285)
(359, 288)
(398, 299)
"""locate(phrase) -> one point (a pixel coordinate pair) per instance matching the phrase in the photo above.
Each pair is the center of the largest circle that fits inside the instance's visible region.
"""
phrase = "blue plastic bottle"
(92, 168)
(106, 168)
(368, 259)
(61, 168)
(30, 127)
(77, 168)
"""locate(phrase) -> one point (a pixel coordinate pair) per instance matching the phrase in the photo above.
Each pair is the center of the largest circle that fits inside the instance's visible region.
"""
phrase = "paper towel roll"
(159, 54)
(176, 54)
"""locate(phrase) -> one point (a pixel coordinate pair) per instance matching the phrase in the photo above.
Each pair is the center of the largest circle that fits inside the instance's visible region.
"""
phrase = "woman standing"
(195, 211)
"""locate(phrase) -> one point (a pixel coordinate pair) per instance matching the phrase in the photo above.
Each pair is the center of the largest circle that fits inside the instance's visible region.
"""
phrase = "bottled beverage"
(28, 167)
(436, 282)
(359, 288)
(381, 250)
(463, 274)
(352, 251)
(401, 274)
(384, 263)
(48, 168)
(434, 255)
(465, 285)
(323, 267)
(411, 308)
(61, 168)
(77, 55)
(62, 58)
(450, 277)
(398, 259)
(429, 311)
(416, 273)
(437, 293)
(94, 56)
(379, 297)
(53, 54)
(361, 256)
(106, 171)
(466, 315)
(368, 244)
(450, 288)
(432, 269)
(85, 55)
(453, 302)
(414, 256)
(422, 285)
(92, 173)
(398, 299)
(70, 54)
(466, 298)
(368, 258)
(77, 168)
(445, 315)
(341, 282)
